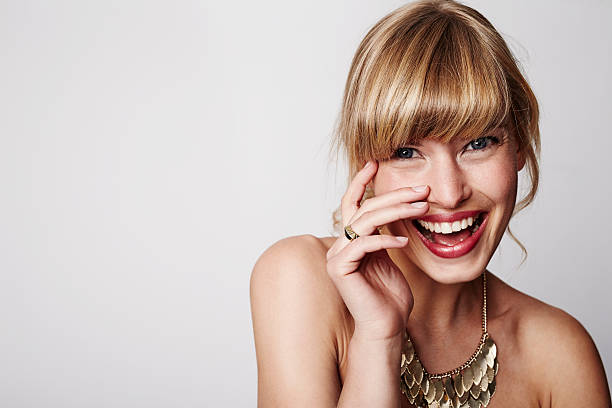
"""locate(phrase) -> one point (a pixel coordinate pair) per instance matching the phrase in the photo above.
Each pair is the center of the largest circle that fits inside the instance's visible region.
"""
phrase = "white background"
(150, 151)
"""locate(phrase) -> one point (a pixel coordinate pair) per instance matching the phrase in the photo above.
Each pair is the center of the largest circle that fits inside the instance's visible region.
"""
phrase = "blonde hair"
(434, 69)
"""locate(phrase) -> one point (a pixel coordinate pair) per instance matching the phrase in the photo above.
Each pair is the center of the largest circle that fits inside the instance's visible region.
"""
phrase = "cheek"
(496, 178)
(389, 178)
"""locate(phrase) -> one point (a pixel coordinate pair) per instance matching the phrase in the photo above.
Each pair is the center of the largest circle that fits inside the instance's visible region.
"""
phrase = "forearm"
(372, 378)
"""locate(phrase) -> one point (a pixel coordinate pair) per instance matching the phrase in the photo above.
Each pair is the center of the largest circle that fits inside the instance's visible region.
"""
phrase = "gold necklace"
(470, 385)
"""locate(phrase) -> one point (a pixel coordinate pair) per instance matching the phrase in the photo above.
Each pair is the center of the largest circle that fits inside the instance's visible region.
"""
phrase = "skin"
(329, 313)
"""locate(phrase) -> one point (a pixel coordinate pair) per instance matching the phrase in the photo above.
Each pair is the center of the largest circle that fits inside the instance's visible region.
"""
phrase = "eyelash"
(492, 139)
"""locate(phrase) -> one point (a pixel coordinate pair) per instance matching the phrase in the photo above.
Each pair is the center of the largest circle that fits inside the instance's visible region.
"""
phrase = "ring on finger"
(349, 233)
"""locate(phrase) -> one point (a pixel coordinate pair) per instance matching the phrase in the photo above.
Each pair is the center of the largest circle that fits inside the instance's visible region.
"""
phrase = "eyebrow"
(415, 143)
(497, 131)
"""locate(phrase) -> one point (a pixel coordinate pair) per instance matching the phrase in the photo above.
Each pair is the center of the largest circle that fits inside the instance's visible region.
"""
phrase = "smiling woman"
(474, 187)
(400, 310)
(453, 235)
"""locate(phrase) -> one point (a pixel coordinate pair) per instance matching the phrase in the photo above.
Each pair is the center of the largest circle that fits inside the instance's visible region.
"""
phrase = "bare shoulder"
(294, 262)
(295, 310)
(304, 246)
(555, 348)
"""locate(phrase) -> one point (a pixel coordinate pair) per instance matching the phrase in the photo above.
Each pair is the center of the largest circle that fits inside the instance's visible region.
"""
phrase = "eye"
(481, 143)
(405, 153)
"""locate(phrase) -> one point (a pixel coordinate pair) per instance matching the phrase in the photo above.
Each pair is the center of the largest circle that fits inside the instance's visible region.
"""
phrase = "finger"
(393, 197)
(341, 242)
(354, 193)
(347, 260)
(367, 222)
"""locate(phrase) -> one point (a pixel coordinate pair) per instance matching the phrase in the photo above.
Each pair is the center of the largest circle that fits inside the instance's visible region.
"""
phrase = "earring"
(368, 193)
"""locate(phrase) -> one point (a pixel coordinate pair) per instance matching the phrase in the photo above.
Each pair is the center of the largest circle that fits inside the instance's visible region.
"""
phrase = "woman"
(399, 310)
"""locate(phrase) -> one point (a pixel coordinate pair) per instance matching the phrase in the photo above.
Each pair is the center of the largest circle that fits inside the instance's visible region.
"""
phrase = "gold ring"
(349, 233)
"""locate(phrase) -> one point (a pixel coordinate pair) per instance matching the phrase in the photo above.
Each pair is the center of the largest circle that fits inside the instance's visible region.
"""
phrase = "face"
(472, 195)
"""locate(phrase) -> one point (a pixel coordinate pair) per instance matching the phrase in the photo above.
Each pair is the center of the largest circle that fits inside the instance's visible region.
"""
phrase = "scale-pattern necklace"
(470, 385)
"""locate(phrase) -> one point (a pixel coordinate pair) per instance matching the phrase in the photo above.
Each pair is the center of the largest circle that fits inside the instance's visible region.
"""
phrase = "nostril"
(447, 197)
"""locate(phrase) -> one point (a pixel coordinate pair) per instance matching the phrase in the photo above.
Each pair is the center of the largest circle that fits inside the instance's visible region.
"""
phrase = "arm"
(372, 378)
(295, 308)
(301, 291)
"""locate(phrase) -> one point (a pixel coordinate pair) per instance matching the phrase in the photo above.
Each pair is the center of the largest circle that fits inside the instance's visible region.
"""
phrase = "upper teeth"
(447, 227)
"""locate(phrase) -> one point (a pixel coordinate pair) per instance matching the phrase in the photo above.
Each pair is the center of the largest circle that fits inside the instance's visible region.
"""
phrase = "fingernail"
(419, 188)
(418, 204)
(402, 240)
(368, 164)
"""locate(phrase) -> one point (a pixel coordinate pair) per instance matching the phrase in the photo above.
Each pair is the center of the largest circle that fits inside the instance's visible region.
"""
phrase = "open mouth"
(449, 233)
(452, 239)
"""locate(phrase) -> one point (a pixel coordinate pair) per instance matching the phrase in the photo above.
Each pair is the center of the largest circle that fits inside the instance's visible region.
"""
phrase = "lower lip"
(458, 250)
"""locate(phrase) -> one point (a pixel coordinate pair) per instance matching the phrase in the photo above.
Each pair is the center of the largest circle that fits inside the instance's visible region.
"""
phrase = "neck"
(439, 307)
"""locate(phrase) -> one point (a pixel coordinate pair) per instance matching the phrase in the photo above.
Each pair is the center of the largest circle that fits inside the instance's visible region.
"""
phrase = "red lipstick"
(462, 247)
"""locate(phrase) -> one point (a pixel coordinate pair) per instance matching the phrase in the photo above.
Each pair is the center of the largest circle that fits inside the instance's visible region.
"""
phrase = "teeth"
(447, 227)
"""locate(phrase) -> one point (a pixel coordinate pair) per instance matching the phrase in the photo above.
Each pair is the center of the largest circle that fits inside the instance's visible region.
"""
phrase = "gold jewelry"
(349, 233)
(470, 385)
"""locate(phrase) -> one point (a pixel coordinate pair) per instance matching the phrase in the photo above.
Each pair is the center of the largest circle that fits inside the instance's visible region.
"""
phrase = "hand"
(373, 288)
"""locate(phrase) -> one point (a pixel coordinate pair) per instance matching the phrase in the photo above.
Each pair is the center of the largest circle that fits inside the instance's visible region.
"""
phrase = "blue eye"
(404, 153)
(481, 142)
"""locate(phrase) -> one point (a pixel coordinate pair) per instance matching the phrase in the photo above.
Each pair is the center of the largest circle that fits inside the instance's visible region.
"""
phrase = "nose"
(448, 183)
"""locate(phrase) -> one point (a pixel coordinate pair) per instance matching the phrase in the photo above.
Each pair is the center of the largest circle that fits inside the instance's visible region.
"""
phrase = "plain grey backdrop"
(152, 150)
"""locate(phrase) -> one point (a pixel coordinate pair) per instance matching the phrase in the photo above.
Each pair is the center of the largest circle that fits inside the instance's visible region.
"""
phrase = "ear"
(520, 153)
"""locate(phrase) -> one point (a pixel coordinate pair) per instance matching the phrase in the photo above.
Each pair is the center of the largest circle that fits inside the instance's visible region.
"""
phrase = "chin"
(454, 272)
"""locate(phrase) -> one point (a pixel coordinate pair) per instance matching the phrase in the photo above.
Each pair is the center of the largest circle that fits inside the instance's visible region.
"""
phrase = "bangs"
(433, 80)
